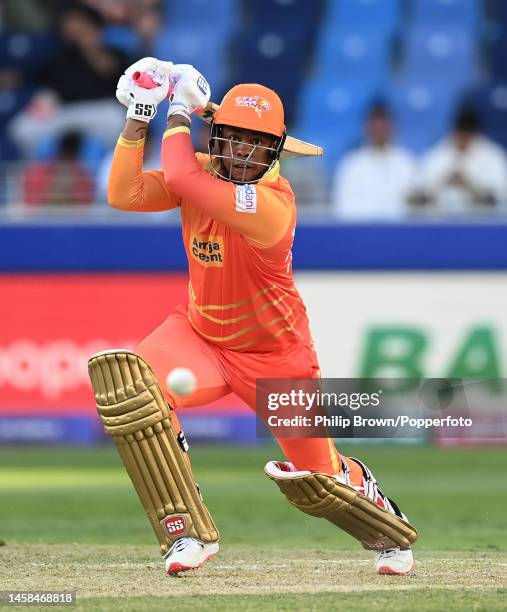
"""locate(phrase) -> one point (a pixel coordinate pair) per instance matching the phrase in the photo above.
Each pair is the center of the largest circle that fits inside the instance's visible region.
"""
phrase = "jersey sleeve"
(130, 188)
(258, 212)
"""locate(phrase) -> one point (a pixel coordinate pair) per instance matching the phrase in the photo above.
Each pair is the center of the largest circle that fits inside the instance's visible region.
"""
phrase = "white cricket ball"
(181, 381)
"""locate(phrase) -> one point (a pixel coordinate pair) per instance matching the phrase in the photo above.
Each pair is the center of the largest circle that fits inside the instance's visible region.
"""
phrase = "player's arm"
(259, 213)
(129, 187)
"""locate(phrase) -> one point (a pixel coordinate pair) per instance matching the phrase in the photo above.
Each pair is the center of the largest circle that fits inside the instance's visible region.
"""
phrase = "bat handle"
(145, 81)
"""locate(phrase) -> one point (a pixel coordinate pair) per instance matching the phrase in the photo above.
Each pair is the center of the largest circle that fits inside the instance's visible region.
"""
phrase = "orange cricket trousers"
(221, 371)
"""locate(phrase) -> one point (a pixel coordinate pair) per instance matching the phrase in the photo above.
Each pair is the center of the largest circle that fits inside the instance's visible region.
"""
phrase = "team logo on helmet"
(255, 102)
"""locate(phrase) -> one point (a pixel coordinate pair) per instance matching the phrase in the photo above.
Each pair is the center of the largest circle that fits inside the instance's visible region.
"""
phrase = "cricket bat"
(293, 147)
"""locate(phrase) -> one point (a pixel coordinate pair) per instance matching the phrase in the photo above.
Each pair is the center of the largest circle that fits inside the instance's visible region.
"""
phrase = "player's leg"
(316, 478)
(352, 500)
(175, 344)
(194, 353)
(142, 422)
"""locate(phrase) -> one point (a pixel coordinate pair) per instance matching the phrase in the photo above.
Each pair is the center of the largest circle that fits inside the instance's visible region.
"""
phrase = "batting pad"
(323, 496)
(135, 413)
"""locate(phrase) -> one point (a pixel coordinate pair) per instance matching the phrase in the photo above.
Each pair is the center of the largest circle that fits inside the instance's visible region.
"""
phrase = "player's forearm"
(134, 130)
(177, 121)
(132, 189)
(125, 183)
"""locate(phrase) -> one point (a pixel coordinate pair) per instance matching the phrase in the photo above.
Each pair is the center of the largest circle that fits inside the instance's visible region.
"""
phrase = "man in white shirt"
(374, 182)
(466, 171)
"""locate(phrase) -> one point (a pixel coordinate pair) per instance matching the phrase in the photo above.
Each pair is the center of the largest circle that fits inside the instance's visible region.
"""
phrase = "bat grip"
(144, 80)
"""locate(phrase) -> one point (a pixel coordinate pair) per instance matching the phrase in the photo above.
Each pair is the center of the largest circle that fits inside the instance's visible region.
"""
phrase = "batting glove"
(142, 103)
(191, 90)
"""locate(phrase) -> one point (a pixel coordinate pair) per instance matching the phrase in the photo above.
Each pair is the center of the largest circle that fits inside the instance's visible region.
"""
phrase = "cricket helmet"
(253, 107)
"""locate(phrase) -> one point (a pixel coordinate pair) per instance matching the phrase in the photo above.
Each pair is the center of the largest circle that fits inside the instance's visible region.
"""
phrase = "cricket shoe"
(188, 554)
(394, 562)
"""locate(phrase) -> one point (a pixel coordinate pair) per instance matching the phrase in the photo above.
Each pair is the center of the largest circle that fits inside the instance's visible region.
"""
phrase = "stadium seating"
(331, 112)
(491, 102)
(267, 56)
(496, 10)
(447, 13)
(11, 102)
(326, 58)
(20, 50)
(448, 54)
(382, 15)
(498, 56)
(222, 14)
(423, 111)
(286, 14)
(199, 46)
(351, 52)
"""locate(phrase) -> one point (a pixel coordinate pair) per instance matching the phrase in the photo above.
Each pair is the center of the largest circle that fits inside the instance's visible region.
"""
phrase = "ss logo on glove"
(145, 110)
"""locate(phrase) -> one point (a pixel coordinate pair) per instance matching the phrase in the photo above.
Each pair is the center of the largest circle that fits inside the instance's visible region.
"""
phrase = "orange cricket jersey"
(238, 240)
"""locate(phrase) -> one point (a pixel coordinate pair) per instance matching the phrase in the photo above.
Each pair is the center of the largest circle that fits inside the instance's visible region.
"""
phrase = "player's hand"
(151, 65)
(191, 90)
(142, 103)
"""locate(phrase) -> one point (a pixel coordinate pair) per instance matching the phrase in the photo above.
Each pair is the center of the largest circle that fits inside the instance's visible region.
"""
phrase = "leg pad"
(323, 496)
(134, 412)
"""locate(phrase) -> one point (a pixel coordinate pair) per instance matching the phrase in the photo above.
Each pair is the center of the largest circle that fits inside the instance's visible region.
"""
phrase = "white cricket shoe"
(394, 562)
(187, 554)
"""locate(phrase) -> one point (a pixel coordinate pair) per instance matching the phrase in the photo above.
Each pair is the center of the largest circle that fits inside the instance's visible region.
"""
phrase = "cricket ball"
(181, 381)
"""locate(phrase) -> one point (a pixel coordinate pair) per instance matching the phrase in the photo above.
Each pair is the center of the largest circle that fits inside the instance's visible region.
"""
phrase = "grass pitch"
(71, 521)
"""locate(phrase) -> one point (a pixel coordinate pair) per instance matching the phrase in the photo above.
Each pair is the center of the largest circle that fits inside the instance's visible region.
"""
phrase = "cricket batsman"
(244, 319)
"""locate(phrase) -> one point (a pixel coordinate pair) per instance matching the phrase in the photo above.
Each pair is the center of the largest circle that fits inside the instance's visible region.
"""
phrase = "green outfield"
(70, 520)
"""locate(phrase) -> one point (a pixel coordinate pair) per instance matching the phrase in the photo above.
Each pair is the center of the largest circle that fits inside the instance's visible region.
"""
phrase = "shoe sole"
(177, 568)
(385, 570)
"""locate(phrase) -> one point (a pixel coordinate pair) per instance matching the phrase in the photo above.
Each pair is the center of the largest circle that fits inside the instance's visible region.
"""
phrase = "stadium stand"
(491, 101)
(423, 111)
(447, 13)
(384, 16)
(326, 58)
(447, 54)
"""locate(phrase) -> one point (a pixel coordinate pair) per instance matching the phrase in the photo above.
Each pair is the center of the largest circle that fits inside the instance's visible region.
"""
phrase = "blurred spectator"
(123, 11)
(465, 171)
(78, 84)
(134, 23)
(61, 181)
(374, 182)
(147, 25)
(28, 15)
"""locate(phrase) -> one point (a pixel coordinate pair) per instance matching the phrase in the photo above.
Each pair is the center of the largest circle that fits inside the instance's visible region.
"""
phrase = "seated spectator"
(62, 181)
(29, 15)
(464, 172)
(373, 183)
(80, 80)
